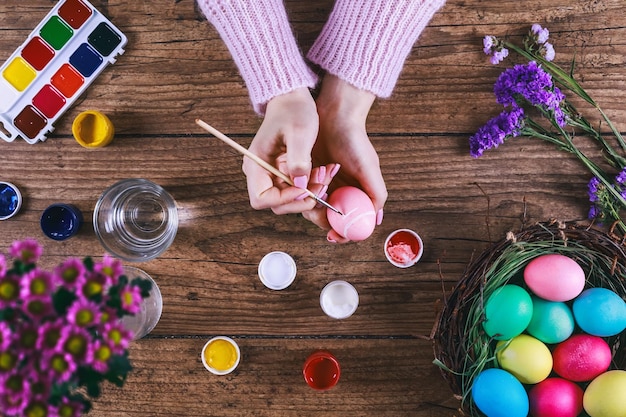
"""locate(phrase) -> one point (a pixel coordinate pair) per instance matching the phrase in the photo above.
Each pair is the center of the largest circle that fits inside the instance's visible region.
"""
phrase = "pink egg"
(554, 277)
(555, 397)
(359, 217)
(582, 357)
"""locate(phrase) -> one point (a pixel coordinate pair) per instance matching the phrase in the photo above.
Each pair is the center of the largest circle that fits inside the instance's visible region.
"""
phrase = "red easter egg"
(359, 217)
(582, 357)
(555, 397)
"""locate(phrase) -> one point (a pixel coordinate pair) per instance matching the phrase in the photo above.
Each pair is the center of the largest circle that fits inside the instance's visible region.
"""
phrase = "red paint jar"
(321, 370)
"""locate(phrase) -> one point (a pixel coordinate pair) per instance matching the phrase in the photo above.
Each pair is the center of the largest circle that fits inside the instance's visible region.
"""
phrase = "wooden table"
(176, 69)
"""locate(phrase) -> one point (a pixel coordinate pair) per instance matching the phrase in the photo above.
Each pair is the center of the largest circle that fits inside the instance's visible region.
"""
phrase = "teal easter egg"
(497, 393)
(600, 312)
(508, 312)
(552, 321)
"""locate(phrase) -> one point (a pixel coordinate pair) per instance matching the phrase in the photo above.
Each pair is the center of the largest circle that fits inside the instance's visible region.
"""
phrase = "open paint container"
(221, 355)
(10, 200)
(277, 270)
(403, 248)
(93, 129)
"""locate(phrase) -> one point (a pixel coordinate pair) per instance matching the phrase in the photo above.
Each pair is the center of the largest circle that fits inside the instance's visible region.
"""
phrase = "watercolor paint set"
(61, 57)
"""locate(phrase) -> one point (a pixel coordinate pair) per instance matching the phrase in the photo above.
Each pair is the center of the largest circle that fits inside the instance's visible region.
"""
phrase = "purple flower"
(621, 177)
(38, 308)
(539, 34)
(49, 335)
(6, 336)
(36, 283)
(495, 49)
(101, 357)
(593, 189)
(547, 51)
(495, 131)
(78, 343)
(14, 393)
(9, 291)
(59, 365)
(70, 408)
(28, 251)
(110, 267)
(117, 337)
(130, 297)
(3, 265)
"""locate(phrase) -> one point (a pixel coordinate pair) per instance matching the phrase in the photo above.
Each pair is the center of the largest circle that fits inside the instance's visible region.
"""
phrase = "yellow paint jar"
(221, 355)
(93, 129)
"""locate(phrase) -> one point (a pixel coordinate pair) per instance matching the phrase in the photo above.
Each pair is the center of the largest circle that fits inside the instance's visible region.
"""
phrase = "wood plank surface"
(175, 69)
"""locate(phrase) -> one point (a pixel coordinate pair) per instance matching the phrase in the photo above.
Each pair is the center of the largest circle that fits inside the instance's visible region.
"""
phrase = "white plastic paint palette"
(60, 58)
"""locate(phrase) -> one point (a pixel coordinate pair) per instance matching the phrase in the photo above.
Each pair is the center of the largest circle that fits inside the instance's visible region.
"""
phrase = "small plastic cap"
(10, 200)
(92, 129)
(277, 270)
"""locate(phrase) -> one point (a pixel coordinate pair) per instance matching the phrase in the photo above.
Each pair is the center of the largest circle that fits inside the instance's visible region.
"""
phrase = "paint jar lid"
(10, 200)
(221, 355)
(403, 248)
(339, 299)
(277, 270)
(61, 221)
(93, 129)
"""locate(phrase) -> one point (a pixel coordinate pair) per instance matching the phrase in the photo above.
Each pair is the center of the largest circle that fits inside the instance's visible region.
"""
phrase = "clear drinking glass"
(147, 318)
(135, 220)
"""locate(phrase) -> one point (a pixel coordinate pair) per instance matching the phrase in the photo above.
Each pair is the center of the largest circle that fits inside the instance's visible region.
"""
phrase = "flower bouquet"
(535, 105)
(60, 331)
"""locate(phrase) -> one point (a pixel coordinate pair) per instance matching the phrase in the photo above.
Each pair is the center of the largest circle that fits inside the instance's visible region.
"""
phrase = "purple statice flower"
(83, 313)
(71, 273)
(547, 51)
(620, 178)
(539, 34)
(593, 188)
(28, 251)
(494, 48)
(495, 131)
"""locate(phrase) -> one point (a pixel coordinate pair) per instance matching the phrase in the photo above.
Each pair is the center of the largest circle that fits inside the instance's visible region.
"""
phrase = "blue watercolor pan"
(60, 58)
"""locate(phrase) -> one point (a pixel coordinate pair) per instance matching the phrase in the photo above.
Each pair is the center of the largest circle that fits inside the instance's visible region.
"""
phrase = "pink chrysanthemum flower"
(58, 365)
(9, 291)
(6, 335)
(71, 273)
(3, 265)
(110, 267)
(49, 335)
(15, 392)
(41, 408)
(38, 308)
(26, 337)
(95, 285)
(77, 342)
(69, 408)
(84, 313)
(36, 283)
(117, 337)
(130, 297)
(102, 355)
(28, 251)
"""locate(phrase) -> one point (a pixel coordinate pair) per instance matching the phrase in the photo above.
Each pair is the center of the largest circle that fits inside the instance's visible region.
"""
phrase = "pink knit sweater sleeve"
(366, 42)
(261, 42)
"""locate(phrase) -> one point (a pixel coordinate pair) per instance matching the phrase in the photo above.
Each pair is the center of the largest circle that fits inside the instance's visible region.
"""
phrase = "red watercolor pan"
(60, 58)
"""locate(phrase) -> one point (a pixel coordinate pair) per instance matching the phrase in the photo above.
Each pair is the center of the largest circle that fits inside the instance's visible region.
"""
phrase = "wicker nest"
(463, 349)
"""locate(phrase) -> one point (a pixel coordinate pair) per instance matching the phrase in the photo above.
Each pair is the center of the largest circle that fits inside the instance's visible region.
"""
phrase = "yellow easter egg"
(527, 358)
(604, 397)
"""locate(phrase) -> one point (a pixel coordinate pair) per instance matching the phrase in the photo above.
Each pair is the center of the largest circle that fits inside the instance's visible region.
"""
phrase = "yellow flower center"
(76, 345)
(9, 290)
(84, 317)
(59, 364)
(69, 275)
(36, 410)
(93, 288)
(103, 354)
(7, 361)
(38, 287)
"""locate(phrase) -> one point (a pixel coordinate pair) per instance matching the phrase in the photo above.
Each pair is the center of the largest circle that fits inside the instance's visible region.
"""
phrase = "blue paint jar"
(10, 200)
(61, 221)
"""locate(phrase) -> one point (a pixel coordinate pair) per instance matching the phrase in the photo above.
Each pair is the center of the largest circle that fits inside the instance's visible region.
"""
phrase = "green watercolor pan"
(61, 57)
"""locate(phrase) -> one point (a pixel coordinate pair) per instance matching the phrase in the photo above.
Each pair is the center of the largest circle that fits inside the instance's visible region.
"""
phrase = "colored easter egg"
(508, 311)
(552, 321)
(527, 358)
(497, 393)
(604, 397)
(554, 277)
(359, 216)
(555, 397)
(600, 312)
(582, 357)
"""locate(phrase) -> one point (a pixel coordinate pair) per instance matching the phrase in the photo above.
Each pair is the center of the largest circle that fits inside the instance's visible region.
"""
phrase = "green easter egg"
(508, 312)
(552, 321)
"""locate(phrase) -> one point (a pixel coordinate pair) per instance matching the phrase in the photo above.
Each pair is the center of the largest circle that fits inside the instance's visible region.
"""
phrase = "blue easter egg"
(497, 393)
(600, 312)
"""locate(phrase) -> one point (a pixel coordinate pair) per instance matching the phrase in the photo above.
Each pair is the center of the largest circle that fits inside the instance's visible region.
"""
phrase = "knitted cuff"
(366, 42)
(261, 42)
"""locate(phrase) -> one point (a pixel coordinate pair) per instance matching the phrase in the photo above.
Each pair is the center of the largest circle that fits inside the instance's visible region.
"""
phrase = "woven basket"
(460, 352)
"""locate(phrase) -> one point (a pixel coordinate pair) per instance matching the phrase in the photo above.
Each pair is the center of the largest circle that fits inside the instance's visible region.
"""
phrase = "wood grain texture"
(176, 69)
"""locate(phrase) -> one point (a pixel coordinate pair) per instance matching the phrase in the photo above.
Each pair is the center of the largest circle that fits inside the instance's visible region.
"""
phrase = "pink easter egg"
(582, 357)
(359, 216)
(554, 277)
(555, 397)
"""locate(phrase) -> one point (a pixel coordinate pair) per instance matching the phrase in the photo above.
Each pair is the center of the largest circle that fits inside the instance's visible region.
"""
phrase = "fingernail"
(330, 239)
(301, 181)
(323, 191)
(321, 173)
(379, 217)
(302, 196)
(335, 170)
